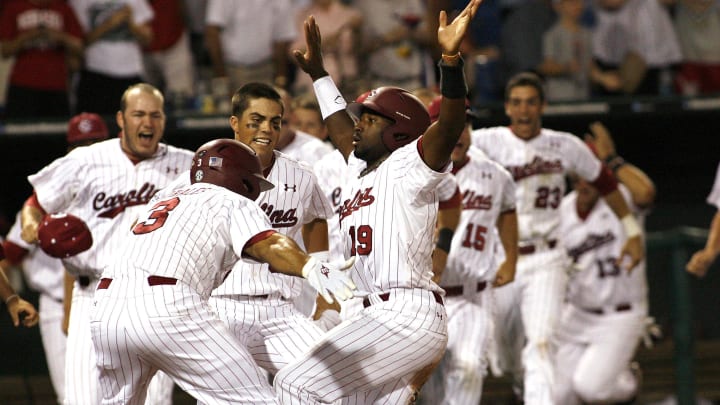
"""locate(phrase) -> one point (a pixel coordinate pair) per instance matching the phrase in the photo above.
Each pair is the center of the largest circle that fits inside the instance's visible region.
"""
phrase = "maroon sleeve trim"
(606, 183)
(14, 253)
(453, 202)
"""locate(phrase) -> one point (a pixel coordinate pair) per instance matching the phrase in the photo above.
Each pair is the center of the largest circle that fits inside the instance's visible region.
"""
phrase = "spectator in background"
(41, 35)
(248, 41)
(195, 21)
(395, 39)
(521, 36)
(340, 25)
(697, 24)
(115, 33)
(635, 40)
(168, 60)
(306, 116)
(567, 54)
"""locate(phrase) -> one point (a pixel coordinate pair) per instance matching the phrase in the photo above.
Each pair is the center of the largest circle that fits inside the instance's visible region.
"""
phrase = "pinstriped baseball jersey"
(43, 273)
(714, 197)
(487, 191)
(296, 200)
(100, 185)
(333, 177)
(538, 167)
(593, 244)
(388, 222)
(201, 221)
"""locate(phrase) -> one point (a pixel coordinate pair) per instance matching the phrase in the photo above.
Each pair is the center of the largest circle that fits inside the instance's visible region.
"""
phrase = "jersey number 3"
(157, 216)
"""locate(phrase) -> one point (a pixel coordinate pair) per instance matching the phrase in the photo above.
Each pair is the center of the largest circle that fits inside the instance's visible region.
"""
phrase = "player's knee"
(469, 370)
(590, 390)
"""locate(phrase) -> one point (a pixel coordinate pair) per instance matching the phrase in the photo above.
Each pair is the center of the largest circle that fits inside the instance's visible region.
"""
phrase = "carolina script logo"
(537, 166)
(362, 199)
(472, 201)
(280, 218)
(114, 205)
(591, 242)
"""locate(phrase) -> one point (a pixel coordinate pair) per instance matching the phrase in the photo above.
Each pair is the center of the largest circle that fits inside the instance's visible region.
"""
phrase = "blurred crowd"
(80, 55)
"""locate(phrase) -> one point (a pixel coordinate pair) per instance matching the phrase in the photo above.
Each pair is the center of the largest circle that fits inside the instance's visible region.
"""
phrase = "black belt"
(152, 281)
(386, 297)
(458, 290)
(618, 308)
(531, 248)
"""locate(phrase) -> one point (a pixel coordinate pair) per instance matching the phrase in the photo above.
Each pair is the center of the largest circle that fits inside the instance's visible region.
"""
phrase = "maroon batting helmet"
(409, 115)
(63, 235)
(230, 164)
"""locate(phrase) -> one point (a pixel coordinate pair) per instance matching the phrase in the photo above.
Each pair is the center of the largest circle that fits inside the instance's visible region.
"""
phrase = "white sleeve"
(581, 159)
(318, 205)
(57, 184)
(142, 12)
(447, 187)
(217, 13)
(246, 222)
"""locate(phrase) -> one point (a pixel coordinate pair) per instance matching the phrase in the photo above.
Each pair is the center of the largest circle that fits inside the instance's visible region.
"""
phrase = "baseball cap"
(63, 235)
(86, 127)
(434, 109)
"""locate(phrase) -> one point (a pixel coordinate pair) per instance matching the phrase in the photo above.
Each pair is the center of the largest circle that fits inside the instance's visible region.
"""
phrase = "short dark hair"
(525, 79)
(251, 91)
(144, 87)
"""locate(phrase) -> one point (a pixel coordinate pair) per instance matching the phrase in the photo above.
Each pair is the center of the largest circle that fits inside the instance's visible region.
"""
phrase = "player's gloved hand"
(330, 280)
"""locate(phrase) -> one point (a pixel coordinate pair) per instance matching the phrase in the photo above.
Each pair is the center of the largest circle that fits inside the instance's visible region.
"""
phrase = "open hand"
(311, 60)
(451, 35)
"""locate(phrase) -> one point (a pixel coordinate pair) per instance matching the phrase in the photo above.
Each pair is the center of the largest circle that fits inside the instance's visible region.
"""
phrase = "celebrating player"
(488, 194)
(386, 351)
(538, 159)
(118, 176)
(606, 307)
(152, 312)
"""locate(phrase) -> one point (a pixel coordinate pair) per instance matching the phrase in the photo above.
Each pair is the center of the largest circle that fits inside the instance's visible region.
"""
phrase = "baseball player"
(261, 307)
(382, 354)
(118, 176)
(701, 260)
(488, 202)
(538, 159)
(606, 307)
(151, 310)
(46, 274)
(18, 308)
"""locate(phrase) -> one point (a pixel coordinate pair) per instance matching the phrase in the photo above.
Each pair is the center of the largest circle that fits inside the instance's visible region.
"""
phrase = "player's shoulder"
(554, 135)
(178, 152)
(286, 162)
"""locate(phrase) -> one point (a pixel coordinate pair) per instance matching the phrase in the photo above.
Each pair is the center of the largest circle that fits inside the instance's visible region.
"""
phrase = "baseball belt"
(530, 248)
(152, 281)
(386, 297)
(601, 311)
(458, 290)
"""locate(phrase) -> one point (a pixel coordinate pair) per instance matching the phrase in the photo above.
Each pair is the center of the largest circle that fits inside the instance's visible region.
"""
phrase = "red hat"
(86, 127)
(63, 235)
(434, 109)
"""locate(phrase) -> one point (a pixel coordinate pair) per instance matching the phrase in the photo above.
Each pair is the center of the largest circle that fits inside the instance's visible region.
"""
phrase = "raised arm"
(332, 104)
(440, 139)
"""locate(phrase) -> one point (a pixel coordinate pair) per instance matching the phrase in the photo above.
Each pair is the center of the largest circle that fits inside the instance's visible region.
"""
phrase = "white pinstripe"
(379, 353)
(138, 329)
(107, 196)
(538, 166)
(275, 331)
(487, 190)
(594, 350)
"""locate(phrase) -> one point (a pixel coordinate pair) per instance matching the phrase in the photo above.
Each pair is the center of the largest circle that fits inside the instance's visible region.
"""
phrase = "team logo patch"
(199, 175)
(325, 271)
(85, 126)
(215, 161)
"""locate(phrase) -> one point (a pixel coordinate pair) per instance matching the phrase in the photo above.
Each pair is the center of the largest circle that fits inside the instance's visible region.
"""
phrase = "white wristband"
(309, 266)
(10, 298)
(323, 255)
(328, 96)
(632, 228)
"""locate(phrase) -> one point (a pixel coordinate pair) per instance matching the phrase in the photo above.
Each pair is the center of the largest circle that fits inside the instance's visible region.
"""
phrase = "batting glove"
(329, 280)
